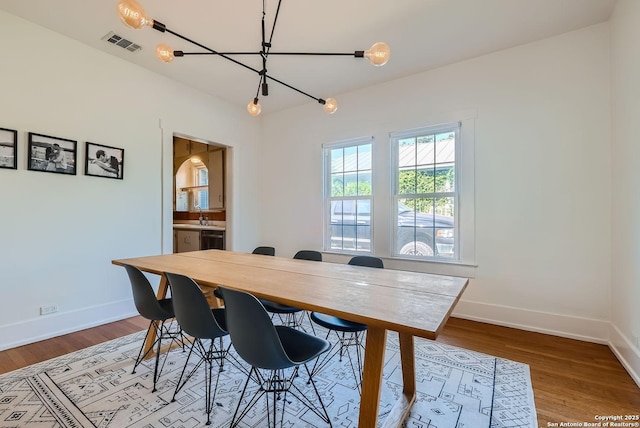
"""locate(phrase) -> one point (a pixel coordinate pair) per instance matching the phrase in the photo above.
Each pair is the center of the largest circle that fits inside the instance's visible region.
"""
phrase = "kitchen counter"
(197, 226)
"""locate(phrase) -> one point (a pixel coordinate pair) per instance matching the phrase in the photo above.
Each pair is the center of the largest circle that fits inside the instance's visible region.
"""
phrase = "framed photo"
(104, 161)
(8, 148)
(52, 154)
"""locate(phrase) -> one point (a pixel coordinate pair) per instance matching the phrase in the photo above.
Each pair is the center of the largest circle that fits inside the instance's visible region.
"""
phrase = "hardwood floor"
(573, 381)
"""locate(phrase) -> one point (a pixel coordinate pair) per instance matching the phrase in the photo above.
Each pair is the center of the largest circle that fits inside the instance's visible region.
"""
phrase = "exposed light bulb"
(133, 14)
(164, 53)
(378, 54)
(330, 105)
(254, 108)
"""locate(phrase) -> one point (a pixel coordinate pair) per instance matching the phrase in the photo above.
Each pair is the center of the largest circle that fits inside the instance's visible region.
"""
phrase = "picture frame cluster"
(46, 153)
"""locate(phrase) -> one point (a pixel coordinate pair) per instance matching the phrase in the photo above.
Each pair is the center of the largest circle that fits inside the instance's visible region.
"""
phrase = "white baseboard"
(627, 354)
(48, 326)
(585, 329)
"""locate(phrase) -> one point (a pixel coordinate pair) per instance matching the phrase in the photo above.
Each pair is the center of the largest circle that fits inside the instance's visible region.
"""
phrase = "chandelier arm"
(275, 19)
(320, 100)
(258, 90)
(217, 53)
(353, 54)
(211, 50)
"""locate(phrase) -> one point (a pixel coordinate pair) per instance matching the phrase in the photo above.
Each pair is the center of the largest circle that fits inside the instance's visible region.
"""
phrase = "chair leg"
(208, 356)
(341, 347)
(155, 368)
(252, 402)
(163, 331)
(184, 368)
(276, 388)
(324, 409)
(140, 356)
(156, 344)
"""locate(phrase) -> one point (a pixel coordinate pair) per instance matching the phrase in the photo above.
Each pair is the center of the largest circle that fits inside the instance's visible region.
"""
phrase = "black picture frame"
(52, 154)
(104, 161)
(8, 148)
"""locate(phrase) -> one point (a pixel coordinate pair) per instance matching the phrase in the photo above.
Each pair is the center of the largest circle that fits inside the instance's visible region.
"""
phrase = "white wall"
(60, 232)
(542, 176)
(625, 105)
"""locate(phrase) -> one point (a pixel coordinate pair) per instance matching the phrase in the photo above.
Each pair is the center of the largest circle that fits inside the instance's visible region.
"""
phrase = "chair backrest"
(143, 296)
(367, 261)
(265, 251)
(192, 309)
(312, 255)
(252, 332)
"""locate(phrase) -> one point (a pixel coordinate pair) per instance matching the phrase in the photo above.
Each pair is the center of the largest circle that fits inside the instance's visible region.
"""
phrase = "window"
(348, 196)
(201, 189)
(426, 195)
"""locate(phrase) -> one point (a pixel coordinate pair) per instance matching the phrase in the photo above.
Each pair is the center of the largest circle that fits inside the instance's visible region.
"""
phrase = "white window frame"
(464, 194)
(328, 199)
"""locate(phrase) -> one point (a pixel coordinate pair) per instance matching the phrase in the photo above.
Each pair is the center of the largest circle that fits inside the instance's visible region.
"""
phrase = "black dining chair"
(265, 251)
(291, 315)
(160, 314)
(202, 323)
(262, 250)
(349, 333)
(275, 354)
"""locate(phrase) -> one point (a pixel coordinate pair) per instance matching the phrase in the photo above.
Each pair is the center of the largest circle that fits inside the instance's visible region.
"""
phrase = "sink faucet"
(200, 218)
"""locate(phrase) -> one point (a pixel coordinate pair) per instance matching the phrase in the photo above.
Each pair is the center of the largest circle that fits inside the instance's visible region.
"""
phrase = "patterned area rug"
(94, 387)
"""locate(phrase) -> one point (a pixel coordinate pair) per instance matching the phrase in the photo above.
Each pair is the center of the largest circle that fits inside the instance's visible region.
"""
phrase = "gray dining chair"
(160, 314)
(275, 354)
(207, 327)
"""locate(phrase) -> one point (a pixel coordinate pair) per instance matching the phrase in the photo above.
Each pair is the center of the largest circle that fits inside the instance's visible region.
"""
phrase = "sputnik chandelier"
(134, 16)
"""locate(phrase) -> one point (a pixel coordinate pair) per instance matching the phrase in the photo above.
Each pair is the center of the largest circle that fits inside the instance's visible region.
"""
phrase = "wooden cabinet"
(187, 240)
(216, 179)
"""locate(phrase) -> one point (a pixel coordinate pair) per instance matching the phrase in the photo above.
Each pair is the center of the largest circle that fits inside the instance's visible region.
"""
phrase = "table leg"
(372, 377)
(401, 409)
(151, 335)
(372, 380)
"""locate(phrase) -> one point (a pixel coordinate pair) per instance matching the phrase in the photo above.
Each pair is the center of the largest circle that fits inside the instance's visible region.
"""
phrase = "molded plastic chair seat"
(300, 346)
(271, 348)
(334, 323)
(278, 308)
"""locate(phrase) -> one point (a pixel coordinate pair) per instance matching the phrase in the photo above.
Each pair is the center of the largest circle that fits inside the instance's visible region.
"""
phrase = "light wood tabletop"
(410, 303)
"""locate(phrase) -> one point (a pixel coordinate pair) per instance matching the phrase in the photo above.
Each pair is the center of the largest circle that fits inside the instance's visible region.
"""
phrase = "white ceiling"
(422, 34)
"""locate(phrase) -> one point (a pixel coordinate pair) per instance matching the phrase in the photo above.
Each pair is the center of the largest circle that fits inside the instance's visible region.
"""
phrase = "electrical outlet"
(46, 310)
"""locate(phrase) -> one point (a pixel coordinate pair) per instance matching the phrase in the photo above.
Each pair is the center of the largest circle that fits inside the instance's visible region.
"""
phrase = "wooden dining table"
(412, 304)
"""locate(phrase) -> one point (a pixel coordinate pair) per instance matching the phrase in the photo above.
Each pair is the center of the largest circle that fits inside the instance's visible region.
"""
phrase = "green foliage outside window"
(338, 188)
(413, 182)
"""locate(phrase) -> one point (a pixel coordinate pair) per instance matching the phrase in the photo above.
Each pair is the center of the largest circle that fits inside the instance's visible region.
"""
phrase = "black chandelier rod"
(162, 28)
(262, 83)
(182, 53)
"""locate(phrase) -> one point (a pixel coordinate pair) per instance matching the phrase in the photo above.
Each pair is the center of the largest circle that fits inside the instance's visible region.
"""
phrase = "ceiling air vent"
(113, 38)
